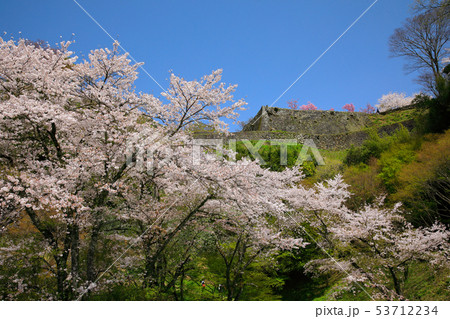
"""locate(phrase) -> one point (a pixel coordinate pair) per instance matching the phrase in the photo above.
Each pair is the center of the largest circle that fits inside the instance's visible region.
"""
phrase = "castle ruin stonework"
(307, 122)
(327, 129)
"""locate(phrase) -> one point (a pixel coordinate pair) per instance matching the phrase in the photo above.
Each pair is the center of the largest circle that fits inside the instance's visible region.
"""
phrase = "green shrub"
(437, 119)
(425, 182)
(365, 184)
(392, 162)
(309, 168)
(372, 147)
(375, 146)
(271, 154)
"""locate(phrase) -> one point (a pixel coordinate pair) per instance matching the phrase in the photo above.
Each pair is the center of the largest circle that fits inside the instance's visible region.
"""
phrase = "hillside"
(411, 168)
(329, 130)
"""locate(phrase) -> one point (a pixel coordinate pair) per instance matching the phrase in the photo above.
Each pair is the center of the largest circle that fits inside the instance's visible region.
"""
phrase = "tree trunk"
(181, 286)
(61, 276)
(154, 263)
(91, 274)
(75, 256)
(228, 283)
(60, 255)
(395, 280)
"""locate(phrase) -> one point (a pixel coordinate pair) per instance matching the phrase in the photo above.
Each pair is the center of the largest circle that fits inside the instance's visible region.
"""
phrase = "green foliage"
(365, 184)
(392, 162)
(309, 168)
(124, 293)
(375, 145)
(397, 116)
(400, 164)
(423, 283)
(424, 184)
(298, 284)
(200, 127)
(259, 281)
(271, 155)
(426, 283)
(262, 284)
(372, 147)
(437, 117)
(412, 168)
(333, 160)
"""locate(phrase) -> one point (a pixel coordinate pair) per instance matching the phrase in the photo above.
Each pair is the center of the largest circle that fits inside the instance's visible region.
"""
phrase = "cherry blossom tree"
(372, 247)
(308, 107)
(87, 159)
(98, 185)
(293, 104)
(383, 246)
(192, 101)
(349, 107)
(254, 232)
(393, 101)
(65, 128)
(369, 109)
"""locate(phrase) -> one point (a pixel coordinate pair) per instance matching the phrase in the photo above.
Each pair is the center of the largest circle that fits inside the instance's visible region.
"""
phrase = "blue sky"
(261, 45)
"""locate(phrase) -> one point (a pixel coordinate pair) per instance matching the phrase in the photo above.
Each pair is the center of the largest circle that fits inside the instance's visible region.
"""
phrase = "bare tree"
(242, 124)
(422, 41)
(430, 5)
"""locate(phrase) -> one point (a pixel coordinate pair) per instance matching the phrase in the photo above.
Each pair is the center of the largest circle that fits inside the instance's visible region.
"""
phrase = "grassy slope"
(380, 120)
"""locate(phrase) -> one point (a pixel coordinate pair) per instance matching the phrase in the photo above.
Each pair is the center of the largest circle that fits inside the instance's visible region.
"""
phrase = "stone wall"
(323, 141)
(328, 129)
(307, 122)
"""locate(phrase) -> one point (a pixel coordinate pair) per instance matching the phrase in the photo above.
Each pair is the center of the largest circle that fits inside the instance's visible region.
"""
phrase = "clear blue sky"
(261, 45)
